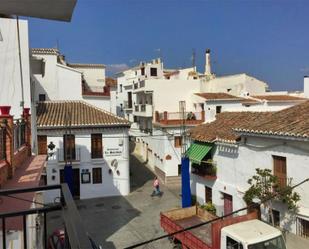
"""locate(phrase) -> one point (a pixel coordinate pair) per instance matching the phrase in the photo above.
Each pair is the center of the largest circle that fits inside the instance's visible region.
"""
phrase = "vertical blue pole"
(185, 183)
(68, 176)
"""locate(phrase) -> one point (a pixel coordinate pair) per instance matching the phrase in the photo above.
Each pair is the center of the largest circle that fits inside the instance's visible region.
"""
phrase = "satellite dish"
(114, 163)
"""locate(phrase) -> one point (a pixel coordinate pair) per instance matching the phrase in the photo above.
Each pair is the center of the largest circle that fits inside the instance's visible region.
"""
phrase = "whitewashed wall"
(94, 76)
(112, 184)
(236, 165)
(10, 81)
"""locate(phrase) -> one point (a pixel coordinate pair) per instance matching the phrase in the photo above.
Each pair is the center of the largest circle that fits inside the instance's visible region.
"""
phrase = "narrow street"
(117, 222)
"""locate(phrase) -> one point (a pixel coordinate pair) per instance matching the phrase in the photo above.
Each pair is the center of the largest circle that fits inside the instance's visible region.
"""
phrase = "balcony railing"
(2, 143)
(177, 118)
(19, 130)
(205, 170)
(95, 90)
(144, 110)
(68, 155)
(75, 234)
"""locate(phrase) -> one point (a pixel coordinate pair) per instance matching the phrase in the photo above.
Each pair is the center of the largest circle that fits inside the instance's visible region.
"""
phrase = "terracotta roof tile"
(111, 82)
(218, 96)
(55, 114)
(292, 122)
(222, 128)
(54, 51)
(278, 98)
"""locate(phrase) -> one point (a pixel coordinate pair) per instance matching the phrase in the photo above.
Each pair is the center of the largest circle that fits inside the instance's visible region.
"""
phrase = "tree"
(264, 185)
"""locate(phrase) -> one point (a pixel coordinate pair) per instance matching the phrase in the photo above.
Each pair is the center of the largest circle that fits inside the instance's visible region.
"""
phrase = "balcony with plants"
(207, 169)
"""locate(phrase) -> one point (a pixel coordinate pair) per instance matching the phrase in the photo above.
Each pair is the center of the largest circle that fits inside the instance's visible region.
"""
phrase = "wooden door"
(42, 145)
(228, 204)
(69, 147)
(280, 170)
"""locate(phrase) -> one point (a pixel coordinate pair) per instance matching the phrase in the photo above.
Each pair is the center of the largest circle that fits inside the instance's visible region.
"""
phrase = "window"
(302, 228)
(142, 71)
(120, 86)
(280, 170)
(96, 146)
(179, 169)
(96, 175)
(129, 99)
(276, 215)
(208, 194)
(233, 244)
(153, 71)
(218, 109)
(42, 97)
(69, 147)
(178, 141)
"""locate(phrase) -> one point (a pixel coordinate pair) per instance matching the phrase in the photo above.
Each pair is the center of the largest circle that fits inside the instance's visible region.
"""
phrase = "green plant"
(265, 186)
(210, 207)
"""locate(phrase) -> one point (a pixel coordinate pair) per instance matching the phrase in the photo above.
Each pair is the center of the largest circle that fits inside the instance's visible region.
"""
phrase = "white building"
(263, 140)
(14, 86)
(214, 103)
(64, 81)
(94, 141)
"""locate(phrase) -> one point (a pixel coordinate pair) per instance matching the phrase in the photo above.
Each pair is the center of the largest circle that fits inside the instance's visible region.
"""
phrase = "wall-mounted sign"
(113, 152)
(85, 177)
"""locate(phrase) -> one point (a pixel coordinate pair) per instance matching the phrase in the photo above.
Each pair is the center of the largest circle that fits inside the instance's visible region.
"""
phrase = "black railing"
(75, 234)
(2, 143)
(207, 170)
(19, 133)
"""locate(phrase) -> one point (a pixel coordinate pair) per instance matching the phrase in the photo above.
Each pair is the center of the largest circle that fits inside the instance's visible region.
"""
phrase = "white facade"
(115, 178)
(238, 85)
(237, 163)
(62, 81)
(10, 77)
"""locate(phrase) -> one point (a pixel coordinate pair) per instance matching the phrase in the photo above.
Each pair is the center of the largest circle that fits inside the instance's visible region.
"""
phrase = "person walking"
(156, 186)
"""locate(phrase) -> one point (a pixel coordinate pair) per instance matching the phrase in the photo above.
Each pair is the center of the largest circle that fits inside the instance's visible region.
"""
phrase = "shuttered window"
(96, 146)
(280, 170)
(69, 147)
(208, 194)
(96, 175)
(42, 145)
(178, 141)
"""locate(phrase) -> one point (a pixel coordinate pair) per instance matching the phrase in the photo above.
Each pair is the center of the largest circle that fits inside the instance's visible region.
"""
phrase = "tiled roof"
(218, 96)
(54, 51)
(222, 128)
(278, 98)
(56, 114)
(110, 82)
(291, 122)
(86, 65)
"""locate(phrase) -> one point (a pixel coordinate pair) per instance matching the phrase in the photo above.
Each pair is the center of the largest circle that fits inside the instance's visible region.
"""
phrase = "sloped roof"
(278, 98)
(222, 128)
(291, 122)
(53, 51)
(86, 65)
(60, 114)
(218, 96)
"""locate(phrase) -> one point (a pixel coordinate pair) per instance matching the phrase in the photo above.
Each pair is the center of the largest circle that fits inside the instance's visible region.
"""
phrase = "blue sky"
(266, 39)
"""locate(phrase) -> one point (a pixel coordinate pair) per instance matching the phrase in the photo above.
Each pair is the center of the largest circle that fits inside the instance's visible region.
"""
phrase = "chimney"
(306, 86)
(207, 63)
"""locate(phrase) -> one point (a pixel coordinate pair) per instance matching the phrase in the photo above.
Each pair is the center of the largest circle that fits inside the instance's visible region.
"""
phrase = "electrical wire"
(219, 218)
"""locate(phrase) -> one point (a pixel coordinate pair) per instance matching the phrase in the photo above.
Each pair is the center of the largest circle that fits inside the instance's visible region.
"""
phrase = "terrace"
(178, 118)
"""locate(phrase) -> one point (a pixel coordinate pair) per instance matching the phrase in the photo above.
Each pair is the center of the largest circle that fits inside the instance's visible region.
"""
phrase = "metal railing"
(2, 143)
(75, 234)
(207, 170)
(179, 115)
(19, 130)
(69, 155)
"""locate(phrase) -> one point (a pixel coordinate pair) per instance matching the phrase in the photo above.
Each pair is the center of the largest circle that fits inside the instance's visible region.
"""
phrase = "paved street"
(117, 222)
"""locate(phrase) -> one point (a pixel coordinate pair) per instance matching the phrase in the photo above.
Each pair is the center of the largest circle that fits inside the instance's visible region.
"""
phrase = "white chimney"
(306, 86)
(207, 63)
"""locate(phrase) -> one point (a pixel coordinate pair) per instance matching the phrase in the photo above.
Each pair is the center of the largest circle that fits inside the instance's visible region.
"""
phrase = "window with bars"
(96, 146)
(96, 175)
(302, 227)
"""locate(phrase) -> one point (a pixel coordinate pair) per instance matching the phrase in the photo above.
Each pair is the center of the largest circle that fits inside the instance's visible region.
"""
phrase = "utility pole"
(185, 174)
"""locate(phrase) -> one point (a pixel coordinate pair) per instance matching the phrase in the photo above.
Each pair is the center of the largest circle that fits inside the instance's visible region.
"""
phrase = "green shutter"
(197, 152)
